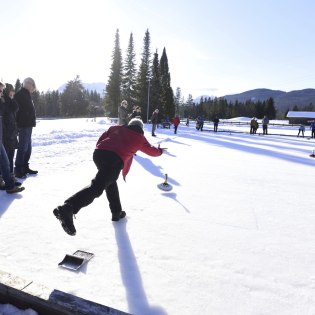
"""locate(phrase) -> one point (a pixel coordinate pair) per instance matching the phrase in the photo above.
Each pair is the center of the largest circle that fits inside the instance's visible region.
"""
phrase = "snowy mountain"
(283, 100)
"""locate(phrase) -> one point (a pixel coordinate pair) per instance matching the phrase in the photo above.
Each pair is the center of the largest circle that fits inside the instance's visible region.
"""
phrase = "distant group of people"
(302, 129)
(254, 125)
(200, 123)
(17, 119)
(124, 117)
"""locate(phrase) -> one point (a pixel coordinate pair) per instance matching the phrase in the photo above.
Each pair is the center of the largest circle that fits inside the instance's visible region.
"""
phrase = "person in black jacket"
(216, 121)
(154, 121)
(6, 182)
(10, 141)
(26, 120)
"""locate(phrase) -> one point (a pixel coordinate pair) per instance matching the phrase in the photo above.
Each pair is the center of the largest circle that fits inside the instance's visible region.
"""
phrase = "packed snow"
(236, 234)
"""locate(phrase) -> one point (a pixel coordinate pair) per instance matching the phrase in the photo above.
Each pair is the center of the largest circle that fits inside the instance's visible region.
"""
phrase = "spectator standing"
(136, 112)
(313, 128)
(176, 122)
(6, 181)
(123, 114)
(252, 125)
(199, 123)
(10, 131)
(301, 130)
(215, 124)
(265, 122)
(26, 121)
(154, 121)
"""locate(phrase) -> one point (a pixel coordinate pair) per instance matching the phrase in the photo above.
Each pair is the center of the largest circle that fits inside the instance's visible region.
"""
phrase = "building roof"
(296, 114)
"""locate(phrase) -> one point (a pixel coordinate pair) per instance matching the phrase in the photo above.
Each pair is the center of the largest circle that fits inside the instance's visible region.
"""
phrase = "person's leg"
(112, 194)
(23, 152)
(10, 154)
(104, 178)
(153, 129)
(5, 169)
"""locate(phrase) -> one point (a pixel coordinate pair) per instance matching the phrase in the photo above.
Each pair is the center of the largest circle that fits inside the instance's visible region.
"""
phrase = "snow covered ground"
(236, 234)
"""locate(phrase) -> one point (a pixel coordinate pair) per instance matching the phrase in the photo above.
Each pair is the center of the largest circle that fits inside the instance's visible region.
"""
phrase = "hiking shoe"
(120, 215)
(65, 215)
(15, 189)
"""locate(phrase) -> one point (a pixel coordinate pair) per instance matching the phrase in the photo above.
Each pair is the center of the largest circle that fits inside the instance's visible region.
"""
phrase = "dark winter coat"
(9, 123)
(1, 113)
(122, 115)
(125, 141)
(154, 118)
(26, 115)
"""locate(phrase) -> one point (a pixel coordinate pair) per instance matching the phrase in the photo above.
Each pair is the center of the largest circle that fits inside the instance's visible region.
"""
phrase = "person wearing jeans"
(26, 120)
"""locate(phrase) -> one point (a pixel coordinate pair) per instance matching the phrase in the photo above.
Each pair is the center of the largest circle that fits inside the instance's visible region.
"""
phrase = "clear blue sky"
(214, 47)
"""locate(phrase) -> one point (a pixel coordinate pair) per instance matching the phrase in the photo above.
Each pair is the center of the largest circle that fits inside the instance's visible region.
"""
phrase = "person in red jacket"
(114, 152)
(176, 122)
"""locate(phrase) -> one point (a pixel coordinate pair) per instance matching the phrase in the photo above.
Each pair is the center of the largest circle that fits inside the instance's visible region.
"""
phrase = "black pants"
(265, 129)
(109, 166)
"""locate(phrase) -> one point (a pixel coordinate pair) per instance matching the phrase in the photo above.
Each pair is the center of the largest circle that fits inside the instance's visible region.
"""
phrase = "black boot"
(65, 215)
(31, 172)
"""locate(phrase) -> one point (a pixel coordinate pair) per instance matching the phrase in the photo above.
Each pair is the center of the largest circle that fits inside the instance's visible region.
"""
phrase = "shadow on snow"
(136, 297)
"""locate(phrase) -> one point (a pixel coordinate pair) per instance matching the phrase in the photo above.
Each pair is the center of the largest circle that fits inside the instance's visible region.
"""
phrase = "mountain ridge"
(283, 100)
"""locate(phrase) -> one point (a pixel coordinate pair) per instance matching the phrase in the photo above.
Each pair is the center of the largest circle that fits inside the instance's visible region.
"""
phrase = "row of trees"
(149, 86)
(219, 107)
(74, 101)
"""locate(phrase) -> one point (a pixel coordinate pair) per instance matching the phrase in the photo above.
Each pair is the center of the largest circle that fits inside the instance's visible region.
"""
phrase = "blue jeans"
(24, 150)
(5, 168)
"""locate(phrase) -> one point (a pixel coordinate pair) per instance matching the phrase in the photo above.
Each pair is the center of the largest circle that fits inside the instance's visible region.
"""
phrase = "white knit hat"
(136, 121)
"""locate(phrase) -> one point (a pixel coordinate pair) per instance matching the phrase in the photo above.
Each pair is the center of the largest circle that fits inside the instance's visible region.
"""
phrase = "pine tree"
(154, 98)
(178, 100)
(114, 85)
(129, 75)
(73, 101)
(18, 85)
(167, 97)
(143, 77)
(270, 110)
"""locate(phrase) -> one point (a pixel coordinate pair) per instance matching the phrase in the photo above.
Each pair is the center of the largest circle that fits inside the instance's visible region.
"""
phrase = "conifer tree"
(270, 110)
(178, 100)
(167, 97)
(154, 100)
(73, 101)
(143, 77)
(129, 75)
(18, 85)
(114, 85)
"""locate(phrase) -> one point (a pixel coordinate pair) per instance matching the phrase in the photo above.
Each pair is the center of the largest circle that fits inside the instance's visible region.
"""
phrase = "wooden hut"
(296, 117)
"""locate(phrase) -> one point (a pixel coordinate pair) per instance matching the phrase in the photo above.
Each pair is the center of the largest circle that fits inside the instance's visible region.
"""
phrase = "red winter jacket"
(125, 142)
(176, 121)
